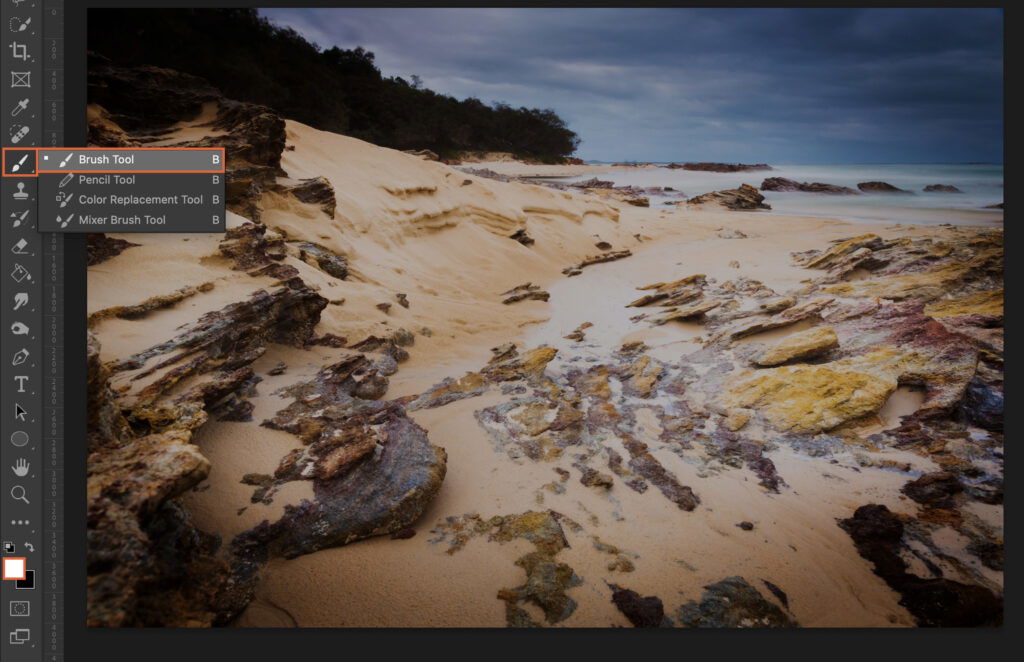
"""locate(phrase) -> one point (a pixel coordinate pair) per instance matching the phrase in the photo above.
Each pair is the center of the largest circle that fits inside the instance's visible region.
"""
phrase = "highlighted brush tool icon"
(66, 159)
(17, 166)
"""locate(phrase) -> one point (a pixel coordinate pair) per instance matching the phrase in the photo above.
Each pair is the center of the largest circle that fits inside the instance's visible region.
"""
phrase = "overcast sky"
(751, 85)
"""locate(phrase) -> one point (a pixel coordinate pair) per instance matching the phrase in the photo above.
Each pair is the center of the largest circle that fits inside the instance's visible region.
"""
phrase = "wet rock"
(278, 369)
(783, 184)
(383, 307)
(524, 292)
(139, 310)
(732, 603)
(935, 490)
(799, 346)
(578, 334)
(596, 259)
(251, 246)
(746, 526)
(323, 259)
(523, 238)
(684, 313)
(316, 191)
(880, 187)
(934, 602)
(642, 612)
(674, 293)
(777, 592)
(806, 398)
(744, 198)
(328, 340)
(941, 188)
(593, 478)
(373, 469)
(983, 405)
(403, 300)
(806, 310)
(100, 248)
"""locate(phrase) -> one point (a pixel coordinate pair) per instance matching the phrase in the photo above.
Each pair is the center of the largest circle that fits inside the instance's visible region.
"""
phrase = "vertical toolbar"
(31, 360)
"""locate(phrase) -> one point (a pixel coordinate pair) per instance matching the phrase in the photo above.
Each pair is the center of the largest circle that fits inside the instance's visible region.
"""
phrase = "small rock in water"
(385, 307)
(746, 526)
(403, 300)
(278, 369)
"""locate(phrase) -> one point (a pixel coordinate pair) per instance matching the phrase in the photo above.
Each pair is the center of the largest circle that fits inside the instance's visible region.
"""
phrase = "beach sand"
(442, 238)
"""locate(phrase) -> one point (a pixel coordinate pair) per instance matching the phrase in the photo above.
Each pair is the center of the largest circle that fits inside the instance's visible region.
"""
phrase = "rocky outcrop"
(100, 248)
(720, 167)
(316, 190)
(733, 603)
(789, 185)
(933, 601)
(941, 188)
(744, 198)
(373, 470)
(880, 187)
(608, 256)
(144, 104)
(524, 292)
(799, 346)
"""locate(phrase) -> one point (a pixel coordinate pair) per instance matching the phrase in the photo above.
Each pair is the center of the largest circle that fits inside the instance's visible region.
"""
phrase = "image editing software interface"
(337, 319)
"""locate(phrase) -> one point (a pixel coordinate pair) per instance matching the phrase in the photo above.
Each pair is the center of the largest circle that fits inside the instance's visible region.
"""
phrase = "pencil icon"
(67, 178)
(66, 159)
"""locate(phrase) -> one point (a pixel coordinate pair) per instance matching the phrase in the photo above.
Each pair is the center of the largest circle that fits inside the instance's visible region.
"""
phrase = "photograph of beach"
(565, 318)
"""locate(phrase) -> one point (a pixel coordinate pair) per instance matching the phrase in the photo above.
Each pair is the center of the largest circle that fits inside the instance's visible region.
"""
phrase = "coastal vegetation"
(333, 89)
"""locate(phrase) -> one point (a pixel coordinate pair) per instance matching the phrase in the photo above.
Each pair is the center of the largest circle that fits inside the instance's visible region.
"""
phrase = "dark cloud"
(781, 85)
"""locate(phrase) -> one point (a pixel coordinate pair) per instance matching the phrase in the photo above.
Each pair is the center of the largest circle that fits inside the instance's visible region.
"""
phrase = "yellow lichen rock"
(807, 344)
(811, 398)
(988, 302)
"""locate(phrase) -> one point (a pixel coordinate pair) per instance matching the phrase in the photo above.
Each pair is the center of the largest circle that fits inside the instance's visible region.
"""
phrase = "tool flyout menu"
(49, 190)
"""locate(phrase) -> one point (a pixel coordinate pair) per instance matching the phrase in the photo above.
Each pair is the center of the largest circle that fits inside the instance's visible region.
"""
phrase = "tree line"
(335, 89)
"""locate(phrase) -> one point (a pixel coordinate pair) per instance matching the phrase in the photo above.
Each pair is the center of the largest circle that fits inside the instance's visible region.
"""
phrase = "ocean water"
(982, 185)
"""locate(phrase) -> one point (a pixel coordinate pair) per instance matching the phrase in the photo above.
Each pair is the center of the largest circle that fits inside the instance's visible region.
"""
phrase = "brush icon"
(66, 159)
